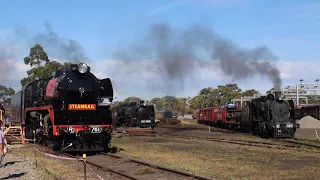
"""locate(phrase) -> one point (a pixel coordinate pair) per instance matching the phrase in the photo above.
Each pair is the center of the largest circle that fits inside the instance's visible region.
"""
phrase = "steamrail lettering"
(82, 107)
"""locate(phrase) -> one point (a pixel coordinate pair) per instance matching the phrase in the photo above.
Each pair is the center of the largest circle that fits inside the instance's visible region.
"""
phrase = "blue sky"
(290, 28)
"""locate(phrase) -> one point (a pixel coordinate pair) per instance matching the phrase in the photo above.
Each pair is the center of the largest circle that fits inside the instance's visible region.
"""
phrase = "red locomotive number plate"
(82, 107)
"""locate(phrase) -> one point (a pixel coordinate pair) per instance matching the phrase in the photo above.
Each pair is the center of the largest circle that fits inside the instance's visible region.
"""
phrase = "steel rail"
(246, 142)
(178, 172)
(103, 168)
(88, 162)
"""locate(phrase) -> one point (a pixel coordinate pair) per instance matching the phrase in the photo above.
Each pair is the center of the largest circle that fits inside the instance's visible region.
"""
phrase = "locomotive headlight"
(289, 125)
(278, 126)
(82, 68)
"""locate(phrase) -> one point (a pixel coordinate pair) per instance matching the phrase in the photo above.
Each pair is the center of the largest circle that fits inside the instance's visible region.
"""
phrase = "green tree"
(182, 106)
(132, 99)
(6, 91)
(36, 59)
(250, 92)
(158, 103)
(170, 103)
(209, 97)
(37, 56)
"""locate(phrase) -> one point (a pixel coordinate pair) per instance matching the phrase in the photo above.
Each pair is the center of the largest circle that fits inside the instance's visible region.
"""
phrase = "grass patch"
(186, 121)
(222, 161)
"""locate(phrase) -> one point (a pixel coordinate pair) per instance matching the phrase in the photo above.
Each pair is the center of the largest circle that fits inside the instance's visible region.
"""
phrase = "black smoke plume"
(178, 53)
(17, 45)
(58, 47)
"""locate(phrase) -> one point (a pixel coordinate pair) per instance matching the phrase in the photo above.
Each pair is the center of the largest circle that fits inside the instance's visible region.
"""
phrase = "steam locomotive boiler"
(135, 115)
(64, 111)
(269, 116)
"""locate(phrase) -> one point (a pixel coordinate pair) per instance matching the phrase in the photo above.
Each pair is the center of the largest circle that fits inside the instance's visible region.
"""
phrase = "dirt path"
(20, 167)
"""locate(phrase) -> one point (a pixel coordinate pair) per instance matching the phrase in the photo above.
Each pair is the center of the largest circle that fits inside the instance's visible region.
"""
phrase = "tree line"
(207, 97)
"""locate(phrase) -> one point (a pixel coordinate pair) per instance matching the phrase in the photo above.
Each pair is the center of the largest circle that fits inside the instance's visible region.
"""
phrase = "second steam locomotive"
(266, 116)
(64, 111)
(132, 114)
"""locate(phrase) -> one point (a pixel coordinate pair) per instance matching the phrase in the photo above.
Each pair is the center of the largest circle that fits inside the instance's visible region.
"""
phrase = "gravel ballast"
(16, 166)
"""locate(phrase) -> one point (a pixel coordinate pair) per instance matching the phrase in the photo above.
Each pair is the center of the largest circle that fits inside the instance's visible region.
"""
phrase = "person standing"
(3, 112)
(2, 108)
(2, 144)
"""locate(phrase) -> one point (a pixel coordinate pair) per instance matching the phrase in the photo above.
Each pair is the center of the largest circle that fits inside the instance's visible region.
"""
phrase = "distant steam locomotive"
(266, 116)
(133, 114)
(64, 111)
(270, 116)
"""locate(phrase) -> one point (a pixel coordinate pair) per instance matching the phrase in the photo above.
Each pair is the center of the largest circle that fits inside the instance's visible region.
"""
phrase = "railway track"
(299, 143)
(129, 168)
(291, 145)
(135, 169)
(290, 142)
(176, 173)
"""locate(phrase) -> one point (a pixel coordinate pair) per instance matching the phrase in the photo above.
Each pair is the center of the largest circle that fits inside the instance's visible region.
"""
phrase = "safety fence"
(83, 159)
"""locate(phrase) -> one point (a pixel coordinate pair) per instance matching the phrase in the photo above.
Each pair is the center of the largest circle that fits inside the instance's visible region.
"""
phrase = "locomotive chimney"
(277, 94)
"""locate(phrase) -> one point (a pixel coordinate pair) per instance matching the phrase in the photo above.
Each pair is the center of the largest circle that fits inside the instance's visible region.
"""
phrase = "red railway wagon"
(312, 110)
(219, 116)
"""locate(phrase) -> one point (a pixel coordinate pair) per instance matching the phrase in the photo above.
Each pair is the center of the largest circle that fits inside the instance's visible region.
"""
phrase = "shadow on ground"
(11, 163)
(13, 176)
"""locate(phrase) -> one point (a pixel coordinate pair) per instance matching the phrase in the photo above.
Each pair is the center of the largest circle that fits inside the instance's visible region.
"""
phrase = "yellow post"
(1, 118)
(84, 157)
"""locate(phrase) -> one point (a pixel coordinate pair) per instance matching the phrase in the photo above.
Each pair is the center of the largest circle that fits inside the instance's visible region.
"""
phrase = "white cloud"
(12, 70)
(142, 78)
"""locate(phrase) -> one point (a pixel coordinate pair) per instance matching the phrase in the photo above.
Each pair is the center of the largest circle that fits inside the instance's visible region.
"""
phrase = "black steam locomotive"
(133, 114)
(270, 116)
(64, 111)
(266, 116)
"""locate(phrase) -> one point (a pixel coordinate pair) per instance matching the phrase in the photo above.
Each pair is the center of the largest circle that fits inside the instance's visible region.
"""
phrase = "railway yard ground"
(19, 166)
(189, 147)
(223, 160)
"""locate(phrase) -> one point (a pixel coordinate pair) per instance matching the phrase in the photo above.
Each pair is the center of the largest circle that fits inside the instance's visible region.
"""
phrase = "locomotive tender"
(266, 116)
(64, 111)
(135, 115)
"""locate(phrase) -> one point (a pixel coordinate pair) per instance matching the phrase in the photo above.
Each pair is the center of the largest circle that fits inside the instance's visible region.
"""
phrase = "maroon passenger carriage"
(65, 111)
